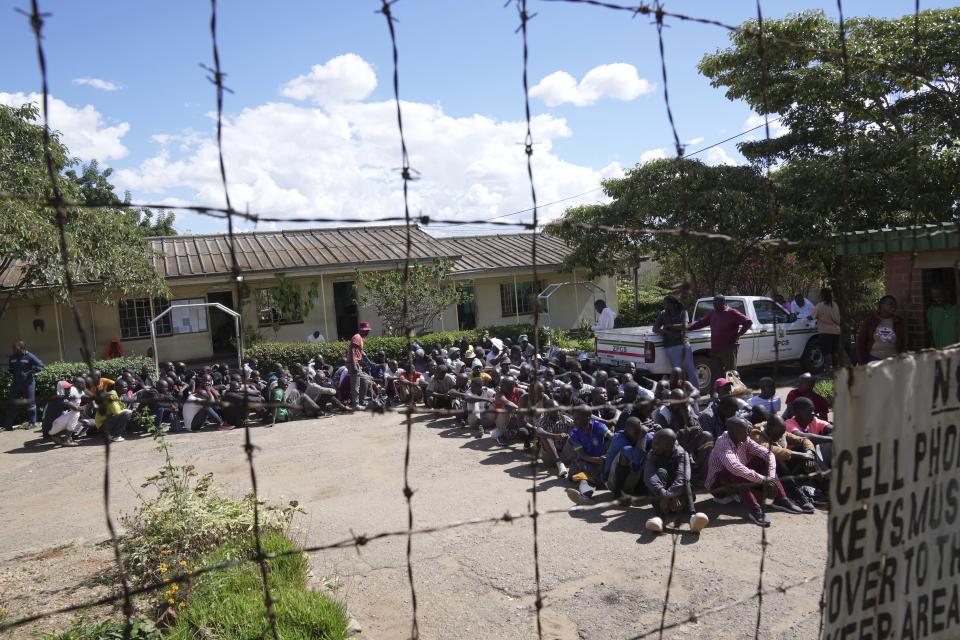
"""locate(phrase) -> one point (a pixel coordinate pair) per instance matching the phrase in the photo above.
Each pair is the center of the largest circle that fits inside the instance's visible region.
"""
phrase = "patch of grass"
(228, 605)
(106, 630)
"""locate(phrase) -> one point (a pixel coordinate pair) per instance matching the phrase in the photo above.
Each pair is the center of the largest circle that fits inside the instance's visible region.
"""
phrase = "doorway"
(345, 308)
(467, 311)
(222, 334)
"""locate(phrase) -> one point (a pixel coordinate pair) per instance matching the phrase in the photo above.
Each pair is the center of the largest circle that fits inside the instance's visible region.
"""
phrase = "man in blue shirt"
(589, 438)
(623, 466)
(23, 369)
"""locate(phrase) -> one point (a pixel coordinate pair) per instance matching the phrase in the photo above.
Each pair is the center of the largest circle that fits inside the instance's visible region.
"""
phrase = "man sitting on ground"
(623, 464)
(510, 424)
(589, 438)
(690, 434)
(666, 473)
(767, 398)
(713, 419)
(804, 389)
(112, 417)
(737, 464)
(478, 401)
(794, 454)
(553, 431)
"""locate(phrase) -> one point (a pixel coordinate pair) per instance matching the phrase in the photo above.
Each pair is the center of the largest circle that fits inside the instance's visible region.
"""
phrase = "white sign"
(893, 569)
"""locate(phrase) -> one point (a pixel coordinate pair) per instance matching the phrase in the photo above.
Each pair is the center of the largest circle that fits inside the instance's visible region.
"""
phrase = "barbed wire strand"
(37, 23)
(525, 18)
(216, 77)
(761, 52)
(748, 31)
(406, 174)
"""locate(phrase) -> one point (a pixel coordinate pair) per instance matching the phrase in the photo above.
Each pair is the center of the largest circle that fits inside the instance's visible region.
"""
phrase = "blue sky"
(326, 145)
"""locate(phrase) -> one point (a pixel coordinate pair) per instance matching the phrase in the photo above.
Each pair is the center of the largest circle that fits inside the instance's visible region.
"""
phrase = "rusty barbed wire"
(406, 175)
(216, 78)
(37, 23)
(525, 18)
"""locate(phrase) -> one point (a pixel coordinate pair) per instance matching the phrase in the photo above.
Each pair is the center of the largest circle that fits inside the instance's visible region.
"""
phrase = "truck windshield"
(706, 306)
(767, 309)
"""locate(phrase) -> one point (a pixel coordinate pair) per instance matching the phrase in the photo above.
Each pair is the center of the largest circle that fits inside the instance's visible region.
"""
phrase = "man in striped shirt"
(739, 465)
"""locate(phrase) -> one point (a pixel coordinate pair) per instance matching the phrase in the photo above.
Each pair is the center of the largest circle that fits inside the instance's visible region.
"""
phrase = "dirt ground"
(603, 575)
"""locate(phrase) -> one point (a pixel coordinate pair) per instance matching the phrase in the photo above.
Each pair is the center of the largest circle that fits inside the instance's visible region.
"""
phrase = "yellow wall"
(101, 322)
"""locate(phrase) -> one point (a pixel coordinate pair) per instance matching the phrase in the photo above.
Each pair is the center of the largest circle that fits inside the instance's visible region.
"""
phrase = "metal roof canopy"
(543, 298)
(925, 237)
(227, 310)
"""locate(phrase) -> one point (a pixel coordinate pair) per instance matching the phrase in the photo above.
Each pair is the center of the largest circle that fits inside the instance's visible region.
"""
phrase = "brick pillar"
(906, 285)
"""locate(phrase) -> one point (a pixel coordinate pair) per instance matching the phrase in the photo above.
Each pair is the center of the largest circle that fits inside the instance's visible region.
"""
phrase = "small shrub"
(106, 630)
(229, 604)
(186, 519)
(826, 389)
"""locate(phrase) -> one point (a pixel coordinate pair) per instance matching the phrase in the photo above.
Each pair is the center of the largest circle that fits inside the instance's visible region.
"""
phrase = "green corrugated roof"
(927, 237)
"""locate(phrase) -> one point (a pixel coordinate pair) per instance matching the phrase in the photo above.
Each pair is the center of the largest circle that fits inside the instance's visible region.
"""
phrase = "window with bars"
(135, 316)
(275, 307)
(519, 299)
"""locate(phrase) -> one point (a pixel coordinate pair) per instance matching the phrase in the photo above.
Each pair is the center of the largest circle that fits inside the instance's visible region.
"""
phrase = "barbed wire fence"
(61, 206)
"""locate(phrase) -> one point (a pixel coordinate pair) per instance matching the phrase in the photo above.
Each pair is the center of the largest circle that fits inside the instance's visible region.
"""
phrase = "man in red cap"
(355, 357)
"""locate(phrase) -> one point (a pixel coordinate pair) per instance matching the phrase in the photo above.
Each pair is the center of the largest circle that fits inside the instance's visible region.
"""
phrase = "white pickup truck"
(796, 339)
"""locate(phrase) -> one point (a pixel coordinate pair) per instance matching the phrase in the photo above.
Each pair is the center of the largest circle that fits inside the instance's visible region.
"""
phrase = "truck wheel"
(812, 359)
(704, 373)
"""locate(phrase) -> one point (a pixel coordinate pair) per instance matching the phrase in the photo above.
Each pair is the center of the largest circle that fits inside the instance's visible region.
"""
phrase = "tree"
(105, 248)
(670, 195)
(875, 146)
(95, 187)
(285, 301)
(872, 147)
(429, 292)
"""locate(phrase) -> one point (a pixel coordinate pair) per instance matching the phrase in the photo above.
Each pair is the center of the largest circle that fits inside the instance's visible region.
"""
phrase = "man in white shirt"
(316, 336)
(607, 316)
(800, 306)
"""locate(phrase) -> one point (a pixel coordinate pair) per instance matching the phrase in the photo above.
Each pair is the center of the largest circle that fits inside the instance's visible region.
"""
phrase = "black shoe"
(805, 505)
(786, 505)
(759, 518)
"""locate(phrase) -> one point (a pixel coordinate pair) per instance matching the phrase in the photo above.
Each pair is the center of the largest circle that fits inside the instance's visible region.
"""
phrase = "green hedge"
(642, 311)
(289, 353)
(54, 371)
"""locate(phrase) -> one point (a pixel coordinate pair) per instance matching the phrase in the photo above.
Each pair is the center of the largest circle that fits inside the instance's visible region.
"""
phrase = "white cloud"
(341, 160)
(756, 120)
(98, 83)
(652, 154)
(718, 155)
(692, 141)
(617, 81)
(346, 78)
(81, 129)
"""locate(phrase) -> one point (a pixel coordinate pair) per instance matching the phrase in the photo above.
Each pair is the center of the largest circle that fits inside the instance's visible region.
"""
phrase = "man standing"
(800, 306)
(726, 326)
(941, 319)
(23, 369)
(607, 316)
(355, 357)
